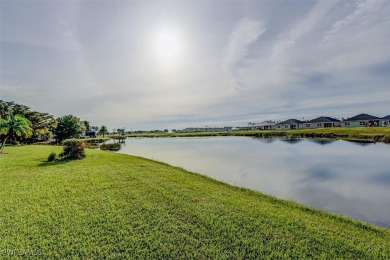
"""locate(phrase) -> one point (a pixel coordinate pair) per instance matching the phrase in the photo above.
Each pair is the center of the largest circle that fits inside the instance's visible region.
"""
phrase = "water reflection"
(360, 142)
(321, 141)
(291, 140)
(334, 175)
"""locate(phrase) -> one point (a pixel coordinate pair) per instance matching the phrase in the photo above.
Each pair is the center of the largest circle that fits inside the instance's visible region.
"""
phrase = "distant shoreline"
(370, 134)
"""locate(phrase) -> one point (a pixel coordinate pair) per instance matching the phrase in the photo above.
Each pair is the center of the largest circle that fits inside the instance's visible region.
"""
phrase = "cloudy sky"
(172, 64)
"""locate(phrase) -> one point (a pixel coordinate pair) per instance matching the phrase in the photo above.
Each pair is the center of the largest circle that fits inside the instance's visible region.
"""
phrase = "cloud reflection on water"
(334, 175)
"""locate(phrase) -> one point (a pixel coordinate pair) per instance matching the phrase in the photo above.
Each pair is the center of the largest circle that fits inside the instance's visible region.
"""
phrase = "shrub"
(52, 157)
(73, 149)
(386, 139)
(111, 147)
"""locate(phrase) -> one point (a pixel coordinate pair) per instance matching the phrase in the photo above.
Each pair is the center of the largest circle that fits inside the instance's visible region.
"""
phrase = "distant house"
(90, 133)
(265, 125)
(385, 121)
(289, 124)
(321, 122)
(361, 120)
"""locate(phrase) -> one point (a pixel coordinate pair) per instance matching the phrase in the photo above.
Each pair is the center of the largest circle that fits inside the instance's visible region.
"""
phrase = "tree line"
(21, 124)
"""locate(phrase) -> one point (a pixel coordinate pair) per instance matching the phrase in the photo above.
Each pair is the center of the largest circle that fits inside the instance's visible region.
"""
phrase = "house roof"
(386, 117)
(323, 119)
(290, 122)
(362, 117)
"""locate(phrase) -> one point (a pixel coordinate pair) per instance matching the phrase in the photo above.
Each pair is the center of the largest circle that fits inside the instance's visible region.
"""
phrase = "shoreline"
(380, 134)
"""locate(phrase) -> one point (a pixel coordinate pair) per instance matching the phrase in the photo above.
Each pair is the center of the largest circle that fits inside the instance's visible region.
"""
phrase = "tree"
(121, 131)
(69, 126)
(103, 130)
(14, 125)
(16, 109)
(43, 124)
(87, 125)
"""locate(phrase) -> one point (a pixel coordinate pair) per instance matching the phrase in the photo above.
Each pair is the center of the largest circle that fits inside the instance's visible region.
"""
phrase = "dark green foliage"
(69, 127)
(120, 131)
(87, 125)
(111, 147)
(52, 157)
(103, 130)
(14, 126)
(42, 124)
(73, 150)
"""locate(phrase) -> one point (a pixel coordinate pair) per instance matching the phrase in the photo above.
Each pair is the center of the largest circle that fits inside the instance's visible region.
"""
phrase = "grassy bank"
(372, 134)
(118, 206)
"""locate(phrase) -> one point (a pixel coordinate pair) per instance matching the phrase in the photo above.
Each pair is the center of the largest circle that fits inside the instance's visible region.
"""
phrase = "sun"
(167, 44)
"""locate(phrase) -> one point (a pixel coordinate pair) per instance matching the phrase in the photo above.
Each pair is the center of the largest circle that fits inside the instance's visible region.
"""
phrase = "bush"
(111, 147)
(73, 149)
(52, 157)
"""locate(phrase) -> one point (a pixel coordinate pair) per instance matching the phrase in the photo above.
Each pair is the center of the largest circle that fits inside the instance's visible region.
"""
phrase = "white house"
(385, 121)
(321, 122)
(265, 125)
(361, 120)
(288, 124)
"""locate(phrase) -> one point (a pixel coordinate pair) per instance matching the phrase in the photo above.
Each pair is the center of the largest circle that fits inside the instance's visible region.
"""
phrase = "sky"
(176, 64)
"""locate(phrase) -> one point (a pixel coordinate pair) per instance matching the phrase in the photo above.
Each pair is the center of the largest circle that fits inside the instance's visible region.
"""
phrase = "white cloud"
(305, 26)
(363, 8)
(111, 78)
(244, 34)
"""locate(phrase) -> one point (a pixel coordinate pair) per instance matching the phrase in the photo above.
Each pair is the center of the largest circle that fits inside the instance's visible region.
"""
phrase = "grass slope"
(118, 206)
(374, 134)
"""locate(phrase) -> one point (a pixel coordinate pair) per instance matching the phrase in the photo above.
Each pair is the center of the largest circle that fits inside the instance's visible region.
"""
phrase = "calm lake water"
(339, 176)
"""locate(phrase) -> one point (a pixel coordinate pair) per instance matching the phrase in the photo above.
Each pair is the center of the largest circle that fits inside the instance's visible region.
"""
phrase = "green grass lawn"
(118, 206)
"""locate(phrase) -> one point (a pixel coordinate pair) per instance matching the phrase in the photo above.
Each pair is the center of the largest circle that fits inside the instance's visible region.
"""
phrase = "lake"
(350, 178)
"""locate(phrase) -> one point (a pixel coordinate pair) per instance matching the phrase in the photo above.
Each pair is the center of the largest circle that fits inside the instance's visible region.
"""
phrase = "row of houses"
(203, 129)
(360, 120)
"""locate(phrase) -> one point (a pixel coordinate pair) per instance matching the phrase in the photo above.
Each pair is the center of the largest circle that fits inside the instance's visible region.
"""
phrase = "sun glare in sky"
(167, 45)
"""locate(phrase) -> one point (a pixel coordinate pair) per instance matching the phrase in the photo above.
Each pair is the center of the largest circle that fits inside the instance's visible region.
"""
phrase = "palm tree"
(103, 130)
(14, 125)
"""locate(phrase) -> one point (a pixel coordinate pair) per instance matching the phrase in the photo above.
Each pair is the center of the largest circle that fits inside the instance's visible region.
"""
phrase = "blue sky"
(172, 64)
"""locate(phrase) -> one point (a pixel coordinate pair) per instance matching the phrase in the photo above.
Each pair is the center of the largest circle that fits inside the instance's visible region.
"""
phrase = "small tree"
(69, 127)
(14, 125)
(103, 130)
(73, 150)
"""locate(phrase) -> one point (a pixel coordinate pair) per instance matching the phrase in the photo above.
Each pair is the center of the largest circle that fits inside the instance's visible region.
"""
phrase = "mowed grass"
(118, 206)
